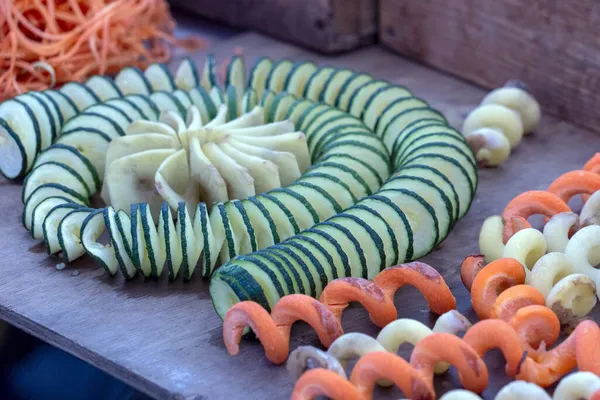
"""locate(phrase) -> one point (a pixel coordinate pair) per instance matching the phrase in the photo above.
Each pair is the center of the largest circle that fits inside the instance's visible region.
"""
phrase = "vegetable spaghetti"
(48, 42)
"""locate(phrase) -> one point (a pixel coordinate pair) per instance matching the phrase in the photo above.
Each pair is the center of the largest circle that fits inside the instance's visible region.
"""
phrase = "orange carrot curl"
(414, 378)
(52, 42)
(581, 349)
(575, 182)
(498, 291)
(527, 204)
(377, 296)
(593, 164)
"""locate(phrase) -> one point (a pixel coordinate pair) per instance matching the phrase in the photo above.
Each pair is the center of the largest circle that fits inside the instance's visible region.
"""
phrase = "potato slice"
(172, 181)
(291, 142)
(130, 180)
(212, 185)
(127, 145)
(240, 183)
(264, 172)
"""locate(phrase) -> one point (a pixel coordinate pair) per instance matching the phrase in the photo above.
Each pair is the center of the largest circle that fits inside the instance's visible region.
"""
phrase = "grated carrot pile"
(48, 42)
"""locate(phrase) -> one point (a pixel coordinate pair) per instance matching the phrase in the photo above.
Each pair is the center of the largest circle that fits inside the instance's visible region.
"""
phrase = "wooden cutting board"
(165, 339)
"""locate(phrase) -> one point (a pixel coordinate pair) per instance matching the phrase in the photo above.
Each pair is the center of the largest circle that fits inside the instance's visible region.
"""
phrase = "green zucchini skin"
(388, 181)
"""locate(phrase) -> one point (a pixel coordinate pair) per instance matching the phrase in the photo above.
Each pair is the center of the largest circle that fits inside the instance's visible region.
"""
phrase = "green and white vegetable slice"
(370, 175)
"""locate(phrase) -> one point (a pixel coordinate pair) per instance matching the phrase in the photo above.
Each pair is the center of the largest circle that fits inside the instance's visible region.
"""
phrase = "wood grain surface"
(551, 45)
(165, 339)
(329, 26)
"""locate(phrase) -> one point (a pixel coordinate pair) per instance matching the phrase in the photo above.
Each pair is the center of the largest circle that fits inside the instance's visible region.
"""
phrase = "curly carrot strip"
(325, 316)
(492, 280)
(530, 203)
(415, 379)
(378, 296)
(273, 330)
(581, 349)
(323, 382)
(498, 291)
(491, 333)
(575, 182)
(470, 267)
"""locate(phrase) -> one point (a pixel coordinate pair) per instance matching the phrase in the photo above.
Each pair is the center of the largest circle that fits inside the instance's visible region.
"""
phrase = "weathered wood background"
(328, 26)
(165, 339)
(553, 46)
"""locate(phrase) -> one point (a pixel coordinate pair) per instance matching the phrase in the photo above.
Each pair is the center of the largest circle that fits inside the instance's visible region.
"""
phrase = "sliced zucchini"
(99, 122)
(280, 106)
(209, 73)
(51, 223)
(187, 76)
(398, 123)
(225, 240)
(71, 157)
(334, 85)
(216, 95)
(348, 88)
(66, 106)
(453, 170)
(191, 246)
(394, 108)
(69, 233)
(42, 192)
(380, 100)
(40, 212)
(166, 101)
(259, 74)
(160, 77)
(81, 95)
(298, 77)
(104, 87)
(184, 98)
(203, 229)
(202, 100)
(54, 172)
(233, 105)
(91, 144)
(92, 229)
(420, 215)
(18, 146)
(131, 80)
(249, 100)
(235, 75)
(316, 83)
(262, 223)
(433, 195)
(364, 93)
(119, 229)
(168, 235)
(144, 105)
(277, 76)
(149, 253)
(52, 117)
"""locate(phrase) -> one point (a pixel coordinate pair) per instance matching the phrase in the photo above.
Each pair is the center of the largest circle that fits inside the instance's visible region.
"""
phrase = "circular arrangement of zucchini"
(277, 185)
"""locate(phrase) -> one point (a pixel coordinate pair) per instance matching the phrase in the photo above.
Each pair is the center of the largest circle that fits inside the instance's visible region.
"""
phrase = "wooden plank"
(165, 338)
(328, 26)
(551, 45)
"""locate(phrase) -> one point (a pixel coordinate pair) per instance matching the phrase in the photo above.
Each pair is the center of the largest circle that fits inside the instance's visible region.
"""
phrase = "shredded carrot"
(75, 39)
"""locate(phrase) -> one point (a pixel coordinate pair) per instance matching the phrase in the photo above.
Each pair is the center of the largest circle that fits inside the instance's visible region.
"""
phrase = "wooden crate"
(328, 26)
(551, 45)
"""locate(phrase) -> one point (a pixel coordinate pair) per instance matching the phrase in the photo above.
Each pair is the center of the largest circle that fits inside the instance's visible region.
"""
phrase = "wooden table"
(165, 339)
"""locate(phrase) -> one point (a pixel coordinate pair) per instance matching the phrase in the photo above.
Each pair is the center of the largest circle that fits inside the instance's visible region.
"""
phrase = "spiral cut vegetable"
(578, 385)
(497, 125)
(543, 367)
(324, 316)
(391, 337)
(552, 201)
(414, 378)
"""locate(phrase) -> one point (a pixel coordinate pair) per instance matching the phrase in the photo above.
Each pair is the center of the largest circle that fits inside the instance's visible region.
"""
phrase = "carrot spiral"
(581, 349)
(552, 201)
(324, 316)
(414, 378)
